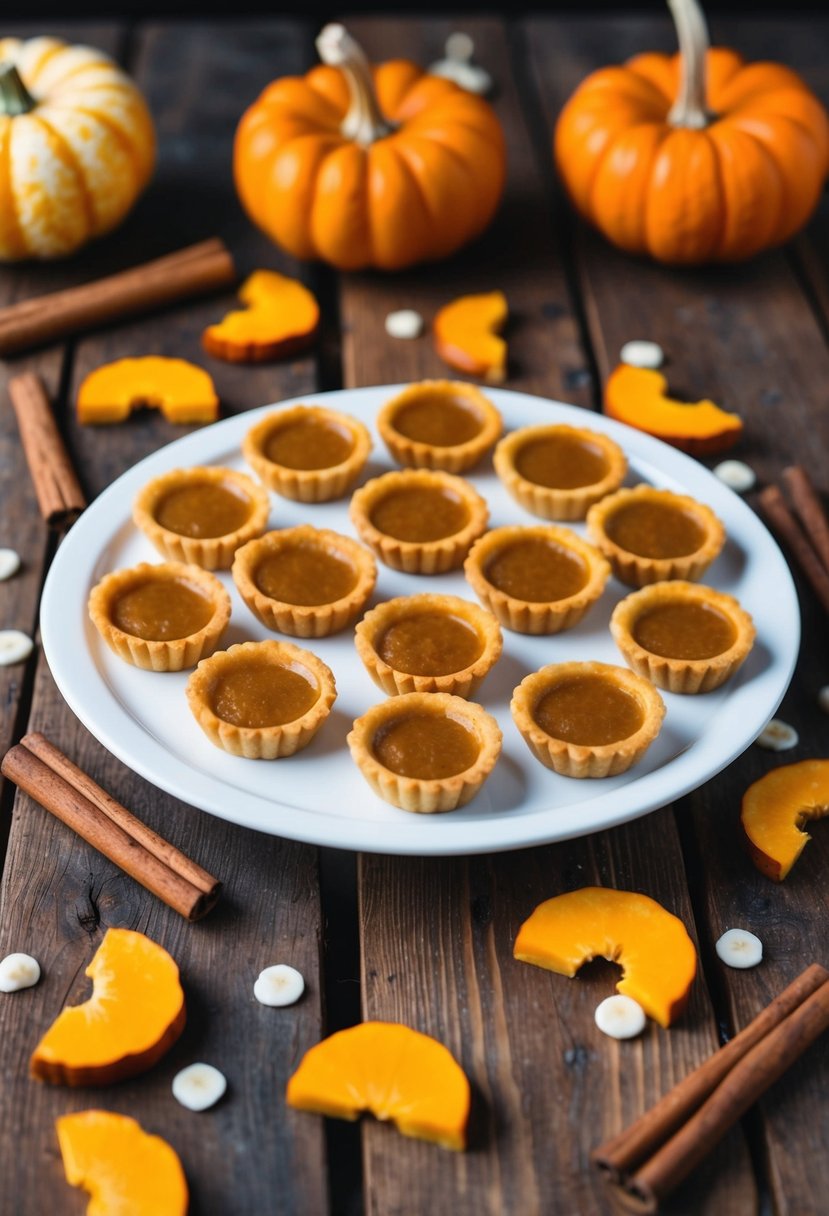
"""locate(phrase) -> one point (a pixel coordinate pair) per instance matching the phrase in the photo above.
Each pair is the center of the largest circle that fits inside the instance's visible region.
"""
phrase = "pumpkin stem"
(15, 98)
(364, 122)
(689, 109)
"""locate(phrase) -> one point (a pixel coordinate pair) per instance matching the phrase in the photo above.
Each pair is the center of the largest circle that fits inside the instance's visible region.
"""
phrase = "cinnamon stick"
(748, 1079)
(622, 1153)
(808, 507)
(786, 526)
(49, 777)
(58, 491)
(189, 272)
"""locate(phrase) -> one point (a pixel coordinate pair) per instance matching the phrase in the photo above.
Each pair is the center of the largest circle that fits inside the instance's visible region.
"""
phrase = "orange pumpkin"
(331, 169)
(696, 157)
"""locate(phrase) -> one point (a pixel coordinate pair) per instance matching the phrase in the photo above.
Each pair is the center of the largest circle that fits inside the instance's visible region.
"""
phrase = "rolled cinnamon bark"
(58, 490)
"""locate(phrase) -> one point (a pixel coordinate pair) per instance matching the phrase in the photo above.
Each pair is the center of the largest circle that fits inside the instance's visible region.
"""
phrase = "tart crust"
(461, 683)
(454, 458)
(418, 557)
(209, 552)
(682, 675)
(527, 616)
(577, 759)
(551, 502)
(304, 620)
(177, 653)
(261, 742)
(307, 485)
(637, 571)
(420, 794)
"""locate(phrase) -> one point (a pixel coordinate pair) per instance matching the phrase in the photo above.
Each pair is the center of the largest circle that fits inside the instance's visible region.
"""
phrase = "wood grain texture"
(251, 1154)
(747, 337)
(437, 935)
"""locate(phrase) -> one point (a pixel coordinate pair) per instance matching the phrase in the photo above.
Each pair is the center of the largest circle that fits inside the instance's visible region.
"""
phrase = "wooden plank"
(437, 934)
(21, 527)
(747, 337)
(58, 896)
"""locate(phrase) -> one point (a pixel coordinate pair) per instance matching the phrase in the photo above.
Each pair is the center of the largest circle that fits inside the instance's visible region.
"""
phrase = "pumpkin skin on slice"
(281, 319)
(776, 807)
(392, 1071)
(134, 1015)
(466, 333)
(657, 956)
(183, 392)
(639, 397)
(126, 1171)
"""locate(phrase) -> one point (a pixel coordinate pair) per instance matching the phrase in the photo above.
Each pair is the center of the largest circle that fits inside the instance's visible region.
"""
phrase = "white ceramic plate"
(319, 796)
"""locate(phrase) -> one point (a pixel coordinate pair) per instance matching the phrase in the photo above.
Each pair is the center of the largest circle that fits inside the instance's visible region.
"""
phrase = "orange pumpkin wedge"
(281, 319)
(182, 392)
(126, 1171)
(392, 1071)
(776, 807)
(652, 946)
(467, 335)
(639, 397)
(134, 1015)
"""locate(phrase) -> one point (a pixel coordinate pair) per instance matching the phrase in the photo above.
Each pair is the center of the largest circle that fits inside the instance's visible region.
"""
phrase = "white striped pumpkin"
(77, 146)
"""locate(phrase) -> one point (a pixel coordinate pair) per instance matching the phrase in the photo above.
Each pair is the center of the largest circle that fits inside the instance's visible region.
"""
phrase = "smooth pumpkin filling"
(561, 462)
(161, 611)
(427, 746)
(420, 514)
(429, 644)
(305, 575)
(203, 510)
(537, 571)
(439, 419)
(655, 529)
(255, 694)
(309, 444)
(681, 630)
(590, 711)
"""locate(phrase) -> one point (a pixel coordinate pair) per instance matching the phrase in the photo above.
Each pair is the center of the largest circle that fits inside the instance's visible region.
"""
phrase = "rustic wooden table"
(428, 943)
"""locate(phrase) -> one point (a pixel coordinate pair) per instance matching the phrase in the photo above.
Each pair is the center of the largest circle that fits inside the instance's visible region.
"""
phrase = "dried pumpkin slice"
(126, 1171)
(467, 335)
(652, 946)
(775, 809)
(639, 397)
(392, 1071)
(134, 1015)
(183, 392)
(281, 318)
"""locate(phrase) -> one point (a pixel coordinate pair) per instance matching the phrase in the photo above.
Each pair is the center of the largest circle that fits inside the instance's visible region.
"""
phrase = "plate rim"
(371, 835)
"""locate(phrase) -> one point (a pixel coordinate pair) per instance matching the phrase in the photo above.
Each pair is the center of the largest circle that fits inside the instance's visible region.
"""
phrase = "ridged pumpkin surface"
(393, 1072)
(126, 1171)
(70, 168)
(415, 194)
(748, 180)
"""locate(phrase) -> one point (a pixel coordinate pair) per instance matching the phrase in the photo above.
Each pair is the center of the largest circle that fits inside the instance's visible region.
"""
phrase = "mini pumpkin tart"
(684, 637)
(307, 453)
(307, 582)
(419, 521)
(650, 535)
(160, 618)
(539, 579)
(425, 751)
(261, 700)
(201, 515)
(558, 472)
(587, 719)
(439, 424)
(428, 643)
